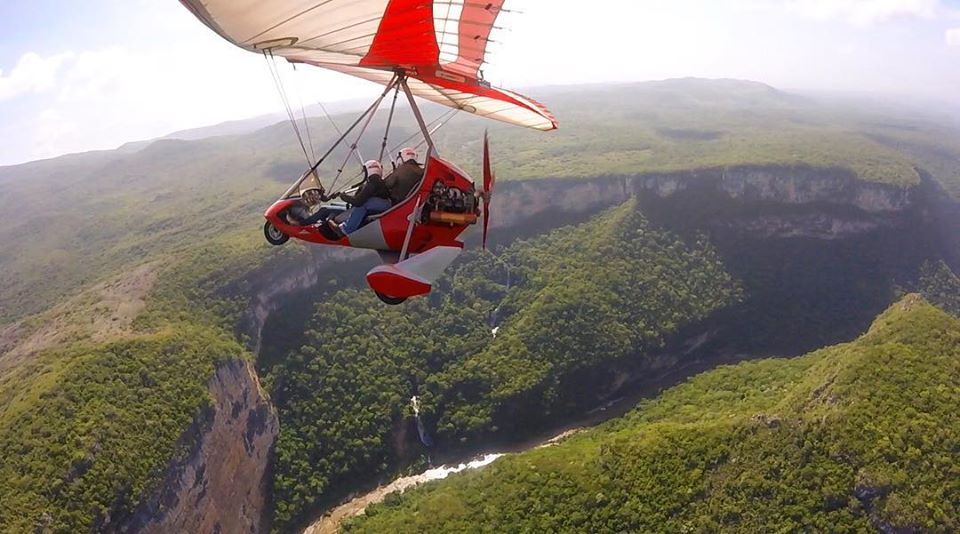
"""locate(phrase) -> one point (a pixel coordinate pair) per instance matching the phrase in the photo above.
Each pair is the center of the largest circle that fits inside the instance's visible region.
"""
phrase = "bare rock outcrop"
(220, 485)
(783, 185)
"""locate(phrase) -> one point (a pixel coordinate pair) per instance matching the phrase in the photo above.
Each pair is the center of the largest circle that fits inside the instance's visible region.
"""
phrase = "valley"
(693, 225)
(828, 441)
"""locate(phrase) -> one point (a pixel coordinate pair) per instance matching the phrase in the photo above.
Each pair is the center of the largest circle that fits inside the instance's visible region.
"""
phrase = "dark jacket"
(373, 186)
(403, 179)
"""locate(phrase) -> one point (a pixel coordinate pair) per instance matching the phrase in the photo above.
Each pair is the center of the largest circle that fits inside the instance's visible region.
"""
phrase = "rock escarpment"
(764, 202)
(219, 483)
(783, 185)
(270, 287)
(789, 202)
(758, 203)
(777, 202)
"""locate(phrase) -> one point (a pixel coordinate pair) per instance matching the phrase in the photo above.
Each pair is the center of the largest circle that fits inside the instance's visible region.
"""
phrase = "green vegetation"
(86, 431)
(88, 423)
(940, 286)
(678, 125)
(607, 290)
(113, 210)
(856, 437)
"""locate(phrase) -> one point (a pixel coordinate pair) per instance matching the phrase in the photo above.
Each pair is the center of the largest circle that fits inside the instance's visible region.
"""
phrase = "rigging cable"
(336, 128)
(370, 113)
(442, 118)
(303, 112)
(393, 105)
(341, 138)
(272, 64)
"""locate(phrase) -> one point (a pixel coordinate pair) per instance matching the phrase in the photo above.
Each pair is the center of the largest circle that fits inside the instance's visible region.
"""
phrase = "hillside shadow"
(801, 292)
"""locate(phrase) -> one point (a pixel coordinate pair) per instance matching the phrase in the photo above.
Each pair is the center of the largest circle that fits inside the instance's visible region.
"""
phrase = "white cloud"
(91, 72)
(165, 71)
(866, 12)
(953, 37)
(32, 74)
(106, 97)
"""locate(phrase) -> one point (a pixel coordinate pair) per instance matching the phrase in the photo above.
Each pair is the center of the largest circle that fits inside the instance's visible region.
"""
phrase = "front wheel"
(393, 301)
(274, 235)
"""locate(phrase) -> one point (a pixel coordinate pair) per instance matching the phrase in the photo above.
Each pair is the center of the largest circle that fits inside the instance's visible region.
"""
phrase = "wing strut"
(431, 151)
(370, 110)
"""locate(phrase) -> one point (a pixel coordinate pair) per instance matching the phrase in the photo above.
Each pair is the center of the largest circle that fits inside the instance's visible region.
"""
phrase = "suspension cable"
(303, 112)
(432, 126)
(353, 147)
(271, 64)
(386, 132)
(336, 143)
(441, 118)
(334, 124)
(431, 131)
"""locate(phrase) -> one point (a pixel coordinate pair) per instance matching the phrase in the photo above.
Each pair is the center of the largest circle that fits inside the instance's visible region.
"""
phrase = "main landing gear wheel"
(393, 301)
(274, 235)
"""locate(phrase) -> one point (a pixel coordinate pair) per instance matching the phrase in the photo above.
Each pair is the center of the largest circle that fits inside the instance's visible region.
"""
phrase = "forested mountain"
(665, 228)
(854, 437)
(113, 209)
(565, 303)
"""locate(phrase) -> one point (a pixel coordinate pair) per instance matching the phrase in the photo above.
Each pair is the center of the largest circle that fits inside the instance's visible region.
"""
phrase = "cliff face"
(515, 202)
(270, 290)
(783, 185)
(769, 201)
(853, 207)
(220, 483)
(778, 202)
(203, 493)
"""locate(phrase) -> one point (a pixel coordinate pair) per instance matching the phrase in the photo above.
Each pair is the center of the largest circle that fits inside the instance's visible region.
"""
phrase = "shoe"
(335, 228)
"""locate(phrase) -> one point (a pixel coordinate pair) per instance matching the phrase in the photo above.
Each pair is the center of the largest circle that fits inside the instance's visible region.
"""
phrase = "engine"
(451, 205)
(451, 199)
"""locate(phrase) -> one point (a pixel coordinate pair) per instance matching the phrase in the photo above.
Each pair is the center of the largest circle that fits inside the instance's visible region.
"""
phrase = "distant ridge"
(244, 126)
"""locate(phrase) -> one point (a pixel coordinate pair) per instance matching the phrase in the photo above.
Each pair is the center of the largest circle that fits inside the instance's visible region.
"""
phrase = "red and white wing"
(440, 44)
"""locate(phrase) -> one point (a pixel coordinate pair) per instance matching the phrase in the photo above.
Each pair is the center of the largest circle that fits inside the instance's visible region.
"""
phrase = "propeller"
(488, 181)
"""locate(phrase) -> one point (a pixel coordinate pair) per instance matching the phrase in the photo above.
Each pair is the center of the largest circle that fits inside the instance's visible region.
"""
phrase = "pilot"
(373, 197)
(302, 212)
(405, 176)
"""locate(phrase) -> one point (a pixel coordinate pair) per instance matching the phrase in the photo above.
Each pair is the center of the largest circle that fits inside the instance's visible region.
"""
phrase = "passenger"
(405, 176)
(302, 212)
(373, 197)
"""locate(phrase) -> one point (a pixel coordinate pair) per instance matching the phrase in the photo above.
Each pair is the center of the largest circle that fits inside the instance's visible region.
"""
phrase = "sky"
(78, 76)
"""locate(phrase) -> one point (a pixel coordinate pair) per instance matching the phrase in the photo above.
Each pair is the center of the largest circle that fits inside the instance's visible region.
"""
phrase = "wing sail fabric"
(441, 45)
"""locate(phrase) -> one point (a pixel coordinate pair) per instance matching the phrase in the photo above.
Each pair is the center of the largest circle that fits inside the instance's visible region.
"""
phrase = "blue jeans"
(372, 205)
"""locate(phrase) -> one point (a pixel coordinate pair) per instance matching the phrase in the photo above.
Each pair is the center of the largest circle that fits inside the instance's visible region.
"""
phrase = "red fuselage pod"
(387, 231)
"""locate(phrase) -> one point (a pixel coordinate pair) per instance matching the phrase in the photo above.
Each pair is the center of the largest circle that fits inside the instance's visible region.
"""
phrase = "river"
(330, 522)
(647, 387)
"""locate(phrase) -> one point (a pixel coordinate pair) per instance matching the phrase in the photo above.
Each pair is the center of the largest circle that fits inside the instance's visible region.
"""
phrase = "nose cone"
(278, 206)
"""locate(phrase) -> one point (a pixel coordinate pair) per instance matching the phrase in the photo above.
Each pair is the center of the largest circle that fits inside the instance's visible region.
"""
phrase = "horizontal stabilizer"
(412, 276)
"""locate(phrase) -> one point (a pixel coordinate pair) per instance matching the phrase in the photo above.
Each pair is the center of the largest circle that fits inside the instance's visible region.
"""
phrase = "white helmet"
(406, 154)
(372, 167)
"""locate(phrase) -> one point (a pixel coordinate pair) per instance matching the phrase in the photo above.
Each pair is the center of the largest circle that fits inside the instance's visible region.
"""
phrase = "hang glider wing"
(439, 44)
